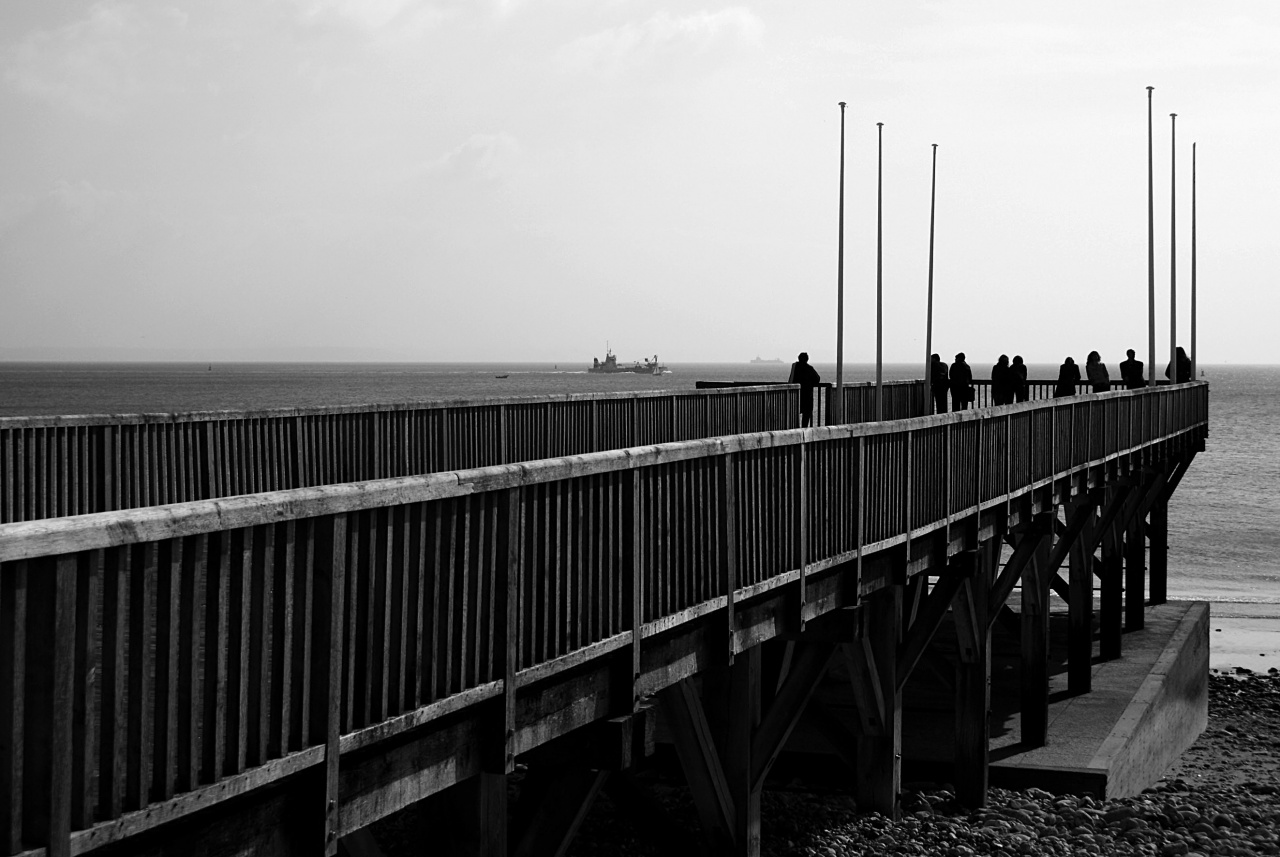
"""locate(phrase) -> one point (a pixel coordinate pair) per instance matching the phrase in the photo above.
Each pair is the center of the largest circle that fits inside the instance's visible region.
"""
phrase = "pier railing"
(1036, 389)
(58, 466)
(902, 400)
(154, 662)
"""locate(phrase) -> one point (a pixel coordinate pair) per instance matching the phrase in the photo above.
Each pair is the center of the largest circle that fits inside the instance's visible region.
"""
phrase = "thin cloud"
(488, 157)
(635, 44)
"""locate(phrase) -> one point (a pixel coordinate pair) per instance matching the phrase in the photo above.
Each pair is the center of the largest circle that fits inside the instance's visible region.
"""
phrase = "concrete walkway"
(1144, 710)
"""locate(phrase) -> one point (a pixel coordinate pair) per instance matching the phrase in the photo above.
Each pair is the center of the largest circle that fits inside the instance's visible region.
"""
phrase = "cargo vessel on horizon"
(610, 366)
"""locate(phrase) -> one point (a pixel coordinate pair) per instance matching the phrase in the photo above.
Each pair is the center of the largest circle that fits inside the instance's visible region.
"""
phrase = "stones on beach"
(1221, 798)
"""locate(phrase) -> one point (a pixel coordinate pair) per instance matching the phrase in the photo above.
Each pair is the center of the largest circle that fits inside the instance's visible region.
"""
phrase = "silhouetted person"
(1068, 377)
(938, 384)
(1097, 372)
(1019, 371)
(961, 384)
(807, 377)
(1001, 382)
(1131, 372)
(1184, 367)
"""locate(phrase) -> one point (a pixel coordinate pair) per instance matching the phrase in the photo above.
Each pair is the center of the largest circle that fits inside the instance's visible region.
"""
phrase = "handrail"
(168, 657)
(73, 465)
(58, 466)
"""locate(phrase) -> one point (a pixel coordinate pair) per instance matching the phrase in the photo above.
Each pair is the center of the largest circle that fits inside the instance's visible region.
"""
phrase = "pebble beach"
(1222, 797)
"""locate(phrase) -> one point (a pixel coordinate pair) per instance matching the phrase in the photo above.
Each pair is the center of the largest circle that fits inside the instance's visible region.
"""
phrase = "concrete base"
(1146, 707)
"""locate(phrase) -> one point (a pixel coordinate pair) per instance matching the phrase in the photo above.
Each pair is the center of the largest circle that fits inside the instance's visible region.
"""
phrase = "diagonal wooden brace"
(929, 618)
(683, 712)
(1083, 512)
(807, 670)
(864, 678)
(1114, 504)
(1040, 529)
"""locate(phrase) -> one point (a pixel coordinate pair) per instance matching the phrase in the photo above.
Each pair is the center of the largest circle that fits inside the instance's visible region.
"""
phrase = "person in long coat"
(1001, 382)
(961, 384)
(938, 384)
(1184, 367)
(807, 377)
(1019, 371)
(1097, 373)
(1068, 377)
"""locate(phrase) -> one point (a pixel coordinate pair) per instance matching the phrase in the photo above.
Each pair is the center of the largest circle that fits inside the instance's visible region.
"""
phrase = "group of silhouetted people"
(1009, 380)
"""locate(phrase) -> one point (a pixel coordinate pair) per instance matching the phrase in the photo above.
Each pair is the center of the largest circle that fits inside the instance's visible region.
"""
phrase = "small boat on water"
(759, 359)
(502, 376)
(610, 366)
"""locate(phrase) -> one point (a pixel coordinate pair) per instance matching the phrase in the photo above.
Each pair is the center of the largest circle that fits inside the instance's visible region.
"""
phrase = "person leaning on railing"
(1097, 372)
(1021, 392)
(938, 384)
(1131, 372)
(807, 377)
(1068, 377)
(1184, 367)
(961, 384)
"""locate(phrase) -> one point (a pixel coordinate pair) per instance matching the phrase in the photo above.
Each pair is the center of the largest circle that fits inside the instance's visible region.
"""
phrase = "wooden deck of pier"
(272, 673)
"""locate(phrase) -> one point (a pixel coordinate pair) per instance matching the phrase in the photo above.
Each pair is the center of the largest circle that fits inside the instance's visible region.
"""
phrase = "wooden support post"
(649, 817)
(359, 843)
(1111, 611)
(1158, 535)
(973, 678)
(1080, 605)
(562, 802)
(879, 750)
(1034, 711)
(736, 757)
(483, 815)
(1135, 574)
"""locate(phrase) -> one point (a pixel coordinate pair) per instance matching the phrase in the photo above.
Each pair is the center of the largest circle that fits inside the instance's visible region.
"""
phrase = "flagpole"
(840, 286)
(928, 325)
(1193, 262)
(1173, 248)
(1151, 252)
(879, 270)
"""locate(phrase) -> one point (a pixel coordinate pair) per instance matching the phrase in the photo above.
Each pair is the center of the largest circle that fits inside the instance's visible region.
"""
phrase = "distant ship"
(610, 366)
(759, 359)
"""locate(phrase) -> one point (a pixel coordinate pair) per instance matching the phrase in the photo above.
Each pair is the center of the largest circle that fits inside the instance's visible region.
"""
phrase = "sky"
(538, 180)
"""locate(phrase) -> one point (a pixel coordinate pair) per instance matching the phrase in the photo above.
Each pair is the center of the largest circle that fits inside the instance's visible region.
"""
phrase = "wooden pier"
(274, 672)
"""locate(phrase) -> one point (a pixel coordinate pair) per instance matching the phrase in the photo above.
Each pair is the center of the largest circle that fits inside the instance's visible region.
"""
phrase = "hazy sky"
(526, 179)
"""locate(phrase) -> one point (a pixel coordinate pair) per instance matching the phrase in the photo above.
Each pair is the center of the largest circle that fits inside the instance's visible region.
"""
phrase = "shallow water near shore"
(1224, 521)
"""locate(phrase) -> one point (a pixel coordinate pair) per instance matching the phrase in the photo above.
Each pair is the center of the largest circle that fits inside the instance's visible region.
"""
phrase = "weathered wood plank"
(973, 678)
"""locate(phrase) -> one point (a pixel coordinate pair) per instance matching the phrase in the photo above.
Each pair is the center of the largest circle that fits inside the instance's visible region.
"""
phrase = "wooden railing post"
(801, 519)
(327, 661)
(49, 704)
(504, 450)
(728, 528)
(632, 576)
(507, 615)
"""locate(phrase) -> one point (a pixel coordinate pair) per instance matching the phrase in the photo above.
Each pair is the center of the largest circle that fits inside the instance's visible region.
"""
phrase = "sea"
(1224, 520)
